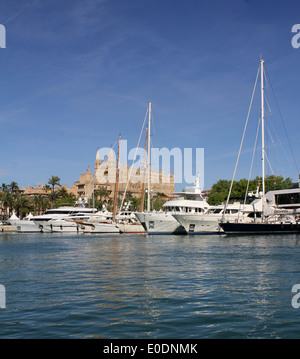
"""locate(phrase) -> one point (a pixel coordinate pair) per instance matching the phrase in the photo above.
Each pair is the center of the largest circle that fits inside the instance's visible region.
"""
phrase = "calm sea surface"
(138, 286)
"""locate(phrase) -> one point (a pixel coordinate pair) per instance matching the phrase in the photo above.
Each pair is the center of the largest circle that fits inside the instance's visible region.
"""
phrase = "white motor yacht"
(45, 222)
(163, 222)
(208, 222)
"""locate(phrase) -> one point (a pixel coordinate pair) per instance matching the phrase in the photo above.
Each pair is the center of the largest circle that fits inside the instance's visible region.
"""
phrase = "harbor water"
(149, 287)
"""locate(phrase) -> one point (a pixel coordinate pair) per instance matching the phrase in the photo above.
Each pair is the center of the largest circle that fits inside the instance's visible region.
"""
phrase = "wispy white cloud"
(11, 115)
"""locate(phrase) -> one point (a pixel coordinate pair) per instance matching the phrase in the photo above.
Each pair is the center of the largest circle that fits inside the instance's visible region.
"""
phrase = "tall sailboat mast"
(262, 124)
(144, 170)
(262, 134)
(117, 182)
(149, 174)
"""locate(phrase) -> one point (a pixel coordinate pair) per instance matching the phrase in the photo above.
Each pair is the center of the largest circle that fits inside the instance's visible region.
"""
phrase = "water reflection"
(148, 286)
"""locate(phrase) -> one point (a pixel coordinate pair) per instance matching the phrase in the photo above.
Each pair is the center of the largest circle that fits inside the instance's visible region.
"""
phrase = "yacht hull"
(98, 228)
(198, 224)
(131, 228)
(260, 228)
(160, 223)
(24, 226)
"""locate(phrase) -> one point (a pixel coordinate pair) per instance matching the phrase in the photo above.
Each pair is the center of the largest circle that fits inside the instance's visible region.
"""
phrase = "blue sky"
(75, 75)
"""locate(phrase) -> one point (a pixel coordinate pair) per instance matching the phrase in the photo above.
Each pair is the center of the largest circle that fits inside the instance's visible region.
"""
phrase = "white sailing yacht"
(276, 218)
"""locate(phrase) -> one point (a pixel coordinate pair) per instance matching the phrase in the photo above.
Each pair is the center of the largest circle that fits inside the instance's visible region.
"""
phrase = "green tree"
(102, 194)
(54, 181)
(46, 188)
(53, 197)
(38, 203)
(219, 191)
(19, 202)
(13, 187)
(7, 202)
(64, 198)
(158, 202)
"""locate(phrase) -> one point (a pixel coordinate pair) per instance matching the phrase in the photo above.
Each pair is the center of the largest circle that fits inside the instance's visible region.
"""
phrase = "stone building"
(130, 179)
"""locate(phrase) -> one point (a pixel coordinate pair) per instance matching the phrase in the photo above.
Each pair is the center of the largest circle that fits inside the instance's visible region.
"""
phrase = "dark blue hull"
(260, 228)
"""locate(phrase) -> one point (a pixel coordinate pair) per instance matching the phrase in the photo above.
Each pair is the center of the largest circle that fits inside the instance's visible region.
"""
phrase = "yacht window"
(254, 214)
(218, 210)
(191, 228)
(233, 211)
(287, 198)
(151, 224)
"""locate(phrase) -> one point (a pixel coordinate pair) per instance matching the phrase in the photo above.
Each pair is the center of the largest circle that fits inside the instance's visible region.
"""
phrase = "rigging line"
(266, 85)
(253, 155)
(267, 102)
(280, 115)
(269, 164)
(241, 145)
(280, 143)
(156, 130)
(131, 168)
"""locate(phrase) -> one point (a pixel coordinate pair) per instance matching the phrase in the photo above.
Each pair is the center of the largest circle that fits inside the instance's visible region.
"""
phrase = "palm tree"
(54, 181)
(7, 201)
(46, 188)
(19, 202)
(102, 193)
(62, 192)
(53, 198)
(14, 188)
(38, 200)
(44, 203)
(4, 187)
